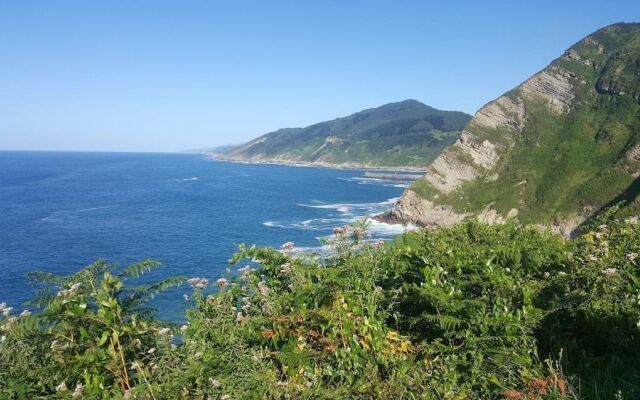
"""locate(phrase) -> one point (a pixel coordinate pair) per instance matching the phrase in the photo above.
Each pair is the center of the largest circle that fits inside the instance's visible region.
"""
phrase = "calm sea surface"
(61, 211)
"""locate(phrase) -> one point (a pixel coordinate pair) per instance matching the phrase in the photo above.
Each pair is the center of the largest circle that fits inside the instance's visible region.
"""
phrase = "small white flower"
(215, 383)
(222, 282)
(240, 317)
(164, 331)
(285, 268)
(245, 272)
(77, 393)
(198, 283)
(61, 387)
(632, 256)
(263, 288)
(9, 323)
(225, 397)
(591, 257)
(632, 220)
(609, 271)
(151, 350)
(184, 328)
(72, 290)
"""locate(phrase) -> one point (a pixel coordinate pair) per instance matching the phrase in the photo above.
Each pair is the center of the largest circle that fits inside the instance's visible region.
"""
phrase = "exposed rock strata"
(490, 135)
(553, 85)
(473, 157)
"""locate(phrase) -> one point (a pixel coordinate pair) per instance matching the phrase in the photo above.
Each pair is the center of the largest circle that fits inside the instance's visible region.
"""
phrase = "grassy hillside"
(571, 143)
(407, 133)
(470, 312)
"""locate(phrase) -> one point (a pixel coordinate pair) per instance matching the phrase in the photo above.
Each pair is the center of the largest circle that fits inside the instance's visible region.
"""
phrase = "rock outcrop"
(490, 172)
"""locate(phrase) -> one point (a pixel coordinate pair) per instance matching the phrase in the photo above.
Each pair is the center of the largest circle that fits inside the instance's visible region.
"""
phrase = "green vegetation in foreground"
(469, 312)
(560, 164)
(403, 134)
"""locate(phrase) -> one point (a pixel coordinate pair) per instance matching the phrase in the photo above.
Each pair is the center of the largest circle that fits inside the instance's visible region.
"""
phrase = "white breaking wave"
(95, 208)
(347, 213)
(361, 209)
(324, 249)
(55, 217)
(193, 178)
(382, 229)
(315, 224)
(62, 215)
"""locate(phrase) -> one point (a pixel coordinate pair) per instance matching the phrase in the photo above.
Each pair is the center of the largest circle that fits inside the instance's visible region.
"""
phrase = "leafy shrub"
(94, 336)
(469, 312)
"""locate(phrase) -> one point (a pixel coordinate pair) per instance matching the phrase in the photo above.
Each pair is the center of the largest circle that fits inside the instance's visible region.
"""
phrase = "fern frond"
(165, 284)
(138, 269)
(141, 294)
(39, 277)
(446, 322)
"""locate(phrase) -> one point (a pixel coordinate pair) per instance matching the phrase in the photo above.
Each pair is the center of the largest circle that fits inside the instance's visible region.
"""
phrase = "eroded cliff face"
(474, 156)
(513, 127)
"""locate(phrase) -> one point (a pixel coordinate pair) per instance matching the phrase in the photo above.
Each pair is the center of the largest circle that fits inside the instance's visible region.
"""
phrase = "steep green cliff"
(554, 150)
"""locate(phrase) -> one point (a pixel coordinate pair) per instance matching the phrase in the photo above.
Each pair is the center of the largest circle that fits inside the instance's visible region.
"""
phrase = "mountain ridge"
(406, 134)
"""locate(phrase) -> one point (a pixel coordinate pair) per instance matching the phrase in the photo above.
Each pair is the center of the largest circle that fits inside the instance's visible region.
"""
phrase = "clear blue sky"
(164, 76)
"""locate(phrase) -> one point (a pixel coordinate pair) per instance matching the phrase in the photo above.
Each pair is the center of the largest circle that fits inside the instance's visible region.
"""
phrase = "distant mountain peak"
(402, 134)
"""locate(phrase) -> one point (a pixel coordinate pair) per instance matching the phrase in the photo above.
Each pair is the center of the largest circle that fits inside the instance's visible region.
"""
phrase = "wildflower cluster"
(198, 283)
(72, 290)
(349, 238)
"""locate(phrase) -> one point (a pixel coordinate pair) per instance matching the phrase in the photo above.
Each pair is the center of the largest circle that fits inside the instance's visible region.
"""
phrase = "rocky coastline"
(220, 157)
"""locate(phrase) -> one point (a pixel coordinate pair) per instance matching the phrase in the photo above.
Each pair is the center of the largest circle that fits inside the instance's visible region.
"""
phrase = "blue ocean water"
(61, 211)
